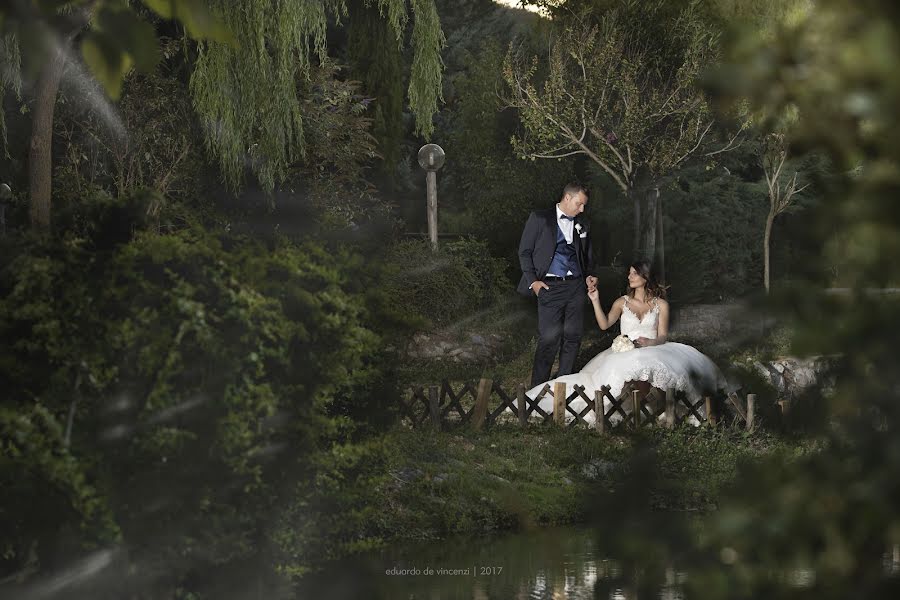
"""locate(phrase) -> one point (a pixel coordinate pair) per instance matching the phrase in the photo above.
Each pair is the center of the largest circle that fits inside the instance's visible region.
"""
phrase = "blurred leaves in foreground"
(828, 524)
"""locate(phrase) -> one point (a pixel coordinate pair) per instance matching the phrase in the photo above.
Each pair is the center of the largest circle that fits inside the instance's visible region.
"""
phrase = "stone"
(408, 474)
(441, 477)
(791, 376)
(598, 469)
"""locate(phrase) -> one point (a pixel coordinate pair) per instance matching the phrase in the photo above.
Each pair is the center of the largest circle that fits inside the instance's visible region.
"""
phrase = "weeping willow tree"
(247, 92)
(376, 61)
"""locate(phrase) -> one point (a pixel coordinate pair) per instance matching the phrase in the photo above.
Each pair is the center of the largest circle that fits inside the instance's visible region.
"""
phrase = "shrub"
(440, 288)
(205, 366)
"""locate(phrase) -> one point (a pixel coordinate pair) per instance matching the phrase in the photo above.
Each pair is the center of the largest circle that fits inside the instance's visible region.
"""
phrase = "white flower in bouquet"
(622, 344)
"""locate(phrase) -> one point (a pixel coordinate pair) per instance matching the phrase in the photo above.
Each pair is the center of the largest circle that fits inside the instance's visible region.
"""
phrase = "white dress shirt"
(567, 226)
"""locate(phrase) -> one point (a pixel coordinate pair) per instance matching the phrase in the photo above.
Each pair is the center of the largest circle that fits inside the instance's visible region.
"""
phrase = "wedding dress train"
(668, 365)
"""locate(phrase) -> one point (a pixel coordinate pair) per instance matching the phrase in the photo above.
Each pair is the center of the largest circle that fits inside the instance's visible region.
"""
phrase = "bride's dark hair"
(654, 289)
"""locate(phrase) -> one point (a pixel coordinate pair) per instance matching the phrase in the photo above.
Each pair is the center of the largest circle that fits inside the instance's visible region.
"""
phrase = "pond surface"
(554, 563)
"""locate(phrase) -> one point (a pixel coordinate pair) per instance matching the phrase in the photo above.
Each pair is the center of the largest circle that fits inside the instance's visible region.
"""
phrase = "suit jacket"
(538, 244)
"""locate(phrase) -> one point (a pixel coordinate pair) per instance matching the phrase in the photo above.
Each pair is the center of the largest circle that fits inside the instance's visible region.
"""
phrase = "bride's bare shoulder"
(662, 303)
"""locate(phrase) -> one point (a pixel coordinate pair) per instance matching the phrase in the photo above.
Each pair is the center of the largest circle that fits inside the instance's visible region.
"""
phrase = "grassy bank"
(429, 485)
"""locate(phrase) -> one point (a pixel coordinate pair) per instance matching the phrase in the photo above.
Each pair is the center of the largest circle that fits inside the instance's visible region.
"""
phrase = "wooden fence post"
(751, 410)
(785, 410)
(707, 403)
(523, 405)
(434, 408)
(481, 403)
(670, 408)
(636, 407)
(559, 403)
(599, 413)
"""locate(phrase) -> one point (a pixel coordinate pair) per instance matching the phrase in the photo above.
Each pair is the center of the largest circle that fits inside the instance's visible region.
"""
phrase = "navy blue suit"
(561, 307)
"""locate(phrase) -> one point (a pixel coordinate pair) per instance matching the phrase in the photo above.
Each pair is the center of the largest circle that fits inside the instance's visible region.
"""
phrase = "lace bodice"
(634, 328)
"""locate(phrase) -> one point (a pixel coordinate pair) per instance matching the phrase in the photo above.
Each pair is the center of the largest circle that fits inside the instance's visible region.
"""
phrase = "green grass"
(423, 484)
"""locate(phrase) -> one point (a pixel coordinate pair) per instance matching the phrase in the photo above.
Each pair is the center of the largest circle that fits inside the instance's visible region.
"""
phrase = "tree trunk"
(647, 248)
(768, 235)
(40, 161)
(661, 243)
(636, 237)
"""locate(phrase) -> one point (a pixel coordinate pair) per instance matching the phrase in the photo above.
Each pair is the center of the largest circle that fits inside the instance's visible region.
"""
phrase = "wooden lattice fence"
(486, 403)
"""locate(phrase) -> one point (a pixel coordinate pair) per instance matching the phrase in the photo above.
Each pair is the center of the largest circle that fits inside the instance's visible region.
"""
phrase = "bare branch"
(697, 145)
(551, 155)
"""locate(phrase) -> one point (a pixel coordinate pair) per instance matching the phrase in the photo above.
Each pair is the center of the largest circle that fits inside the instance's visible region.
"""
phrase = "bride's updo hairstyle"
(642, 268)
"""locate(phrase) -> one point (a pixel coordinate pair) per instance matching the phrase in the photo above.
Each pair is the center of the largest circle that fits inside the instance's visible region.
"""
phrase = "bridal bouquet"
(622, 344)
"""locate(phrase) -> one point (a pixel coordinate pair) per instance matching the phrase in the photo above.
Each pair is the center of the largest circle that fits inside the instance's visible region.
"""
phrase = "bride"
(654, 361)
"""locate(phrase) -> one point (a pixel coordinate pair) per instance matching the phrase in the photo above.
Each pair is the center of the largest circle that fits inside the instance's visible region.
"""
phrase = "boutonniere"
(578, 227)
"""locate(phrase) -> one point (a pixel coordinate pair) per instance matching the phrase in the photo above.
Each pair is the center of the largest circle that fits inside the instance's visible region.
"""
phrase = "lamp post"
(5, 196)
(431, 158)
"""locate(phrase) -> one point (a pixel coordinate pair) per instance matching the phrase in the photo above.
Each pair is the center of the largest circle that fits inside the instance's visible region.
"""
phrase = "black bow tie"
(567, 217)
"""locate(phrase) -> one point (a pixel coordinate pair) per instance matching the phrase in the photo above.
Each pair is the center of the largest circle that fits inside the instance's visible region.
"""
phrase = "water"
(554, 563)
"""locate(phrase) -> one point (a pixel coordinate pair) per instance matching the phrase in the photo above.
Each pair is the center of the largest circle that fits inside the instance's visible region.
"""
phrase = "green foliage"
(620, 87)
(199, 359)
(118, 37)
(335, 513)
(339, 150)
(377, 62)
(47, 498)
(426, 71)
(831, 513)
(710, 257)
(836, 511)
(485, 184)
(423, 484)
(247, 94)
(152, 142)
(440, 288)
(155, 143)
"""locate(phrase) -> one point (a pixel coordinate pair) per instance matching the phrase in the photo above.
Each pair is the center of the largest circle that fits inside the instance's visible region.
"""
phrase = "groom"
(555, 255)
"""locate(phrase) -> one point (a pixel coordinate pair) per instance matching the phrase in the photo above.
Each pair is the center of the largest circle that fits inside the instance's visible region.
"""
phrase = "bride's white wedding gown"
(668, 365)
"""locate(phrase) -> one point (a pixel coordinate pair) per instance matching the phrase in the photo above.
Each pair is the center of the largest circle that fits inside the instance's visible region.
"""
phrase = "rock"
(598, 469)
(477, 339)
(791, 376)
(408, 474)
(442, 477)
(800, 374)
